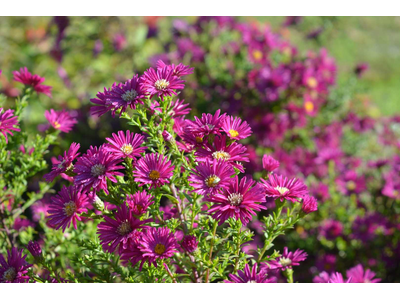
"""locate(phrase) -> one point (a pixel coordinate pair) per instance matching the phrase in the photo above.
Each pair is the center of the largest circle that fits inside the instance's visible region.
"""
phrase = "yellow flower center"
(154, 175)
(235, 199)
(57, 125)
(124, 228)
(282, 190)
(309, 106)
(159, 249)
(233, 133)
(129, 95)
(199, 139)
(221, 154)
(139, 207)
(69, 208)
(127, 149)
(257, 54)
(9, 275)
(285, 261)
(161, 84)
(351, 185)
(212, 181)
(312, 82)
(98, 170)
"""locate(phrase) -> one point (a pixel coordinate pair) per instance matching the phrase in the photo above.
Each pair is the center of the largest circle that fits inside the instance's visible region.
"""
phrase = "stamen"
(69, 208)
(212, 181)
(98, 170)
(235, 199)
(129, 95)
(161, 84)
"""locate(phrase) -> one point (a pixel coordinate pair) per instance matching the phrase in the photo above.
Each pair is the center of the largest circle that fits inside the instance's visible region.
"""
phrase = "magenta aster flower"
(63, 163)
(161, 82)
(153, 169)
(60, 120)
(34, 248)
(132, 253)
(208, 124)
(15, 268)
(7, 122)
(211, 176)
(269, 163)
(309, 204)
(118, 232)
(179, 108)
(358, 275)
(179, 70)
(139, 202)
(287, 260)
(238, 200)
(279, 187)
(103, 105)
(233, 153)
(125, 145)
(66, 207)
(94, 167)
(189, 243)
(338, 278)
(158, 243)
(35, 81)
(235, 128)
(250, 276)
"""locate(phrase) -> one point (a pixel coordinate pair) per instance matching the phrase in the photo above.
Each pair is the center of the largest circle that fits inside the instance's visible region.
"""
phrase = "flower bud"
(309, 204)
(97, 203)
(190, 243)
(167, 136)
(269, 164)
(35, 249)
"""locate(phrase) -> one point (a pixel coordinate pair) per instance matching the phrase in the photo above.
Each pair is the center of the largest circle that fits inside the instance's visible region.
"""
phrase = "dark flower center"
(159, 249)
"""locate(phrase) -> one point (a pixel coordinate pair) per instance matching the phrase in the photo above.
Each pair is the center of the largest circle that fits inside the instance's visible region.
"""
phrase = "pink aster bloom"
(179, 108)
(35, 81)
(66, 207)
(102, 104)
(238, 200)
(15, 268)
(269, 163)
(158, 243)
(338, 278)
(132, 253)
(139, 202)
(161, 82)
(279, 187)
(211, 176)
(189, 243)
(94, 167)
(63, 163)
(233, 153)
(208, 124)
(287, 260)
(118, 231)
(153, 169)
(60, 120)
(7, 122)
(125, 145)
(179, 70)
(358, 275)
(250, 276)
(309, 204)
(235, 128)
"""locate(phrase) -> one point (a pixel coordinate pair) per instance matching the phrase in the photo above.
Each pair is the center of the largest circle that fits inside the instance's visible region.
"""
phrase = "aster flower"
(118, 232)
(63, 163)
(238, 200)
(179, 108)
(179, 70)
(287, 260)
(103, 105)
(132, 253)
(66, 207)
(60, 120)
(235, 128)
(158, 243)
(15, 268)
(94, 168)
(233, 153)
(338, 278)
(211, 176)
(250, 276)
(279, 187)
(125, 145)
(330, 229)
(358, 275)
(124, 95)
(269, 163)
(35, 81)
(309, 204)
(139, 202)
(189, 243)
(34, 248)
(161, 82)
(7, 122)
(153, 169)
(208, 124)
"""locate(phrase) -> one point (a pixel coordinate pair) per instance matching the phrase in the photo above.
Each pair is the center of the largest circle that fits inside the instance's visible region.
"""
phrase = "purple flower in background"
(250, 276)
(15, 268)
(63, 163)
(35, 81)
(61, 120)
(338, 278)
(189, 243)
(358, 275)
(34, 248)
(7, 122)
(331, 229)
